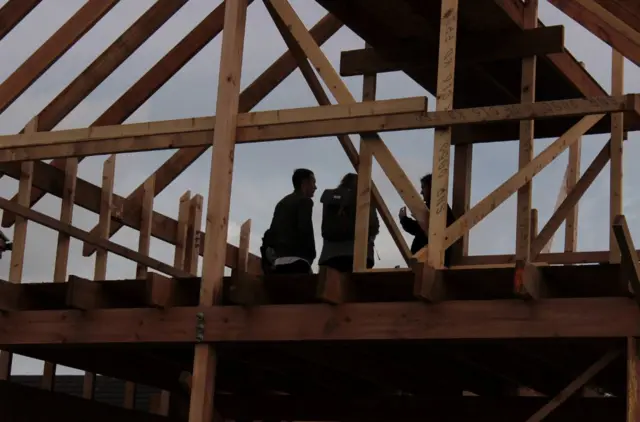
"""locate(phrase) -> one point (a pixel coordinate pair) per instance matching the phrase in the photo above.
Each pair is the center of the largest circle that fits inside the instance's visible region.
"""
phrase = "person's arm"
(410, 225)
(305, 227)
(374, 223)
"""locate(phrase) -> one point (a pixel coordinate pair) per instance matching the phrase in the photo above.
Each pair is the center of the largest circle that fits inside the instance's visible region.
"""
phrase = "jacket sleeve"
(374, 223)
(305, 226)
(410, 225)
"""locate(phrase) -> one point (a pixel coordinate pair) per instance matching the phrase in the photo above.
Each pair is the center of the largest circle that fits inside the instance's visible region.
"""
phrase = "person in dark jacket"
(289, 243)
(411, 226)
(339, 226)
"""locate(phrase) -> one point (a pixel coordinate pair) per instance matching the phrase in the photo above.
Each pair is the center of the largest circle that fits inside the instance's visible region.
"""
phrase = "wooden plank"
(121, 49)
(52, 49)
(525, 152)
(471, 319)
(573, 178)
(616, 145)
(12, 13)
(603, 24)
(194, 239)
(629, 262)
(250, 97)
(75, 232)
(62, 250)
(554, 258)
(16, 150)
(574, 386)
(474, 48)
(201, 406)
(461, 203)
(442, 135)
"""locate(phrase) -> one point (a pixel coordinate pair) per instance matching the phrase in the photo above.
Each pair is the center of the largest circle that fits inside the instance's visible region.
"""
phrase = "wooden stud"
(633, 375)
(573, 176)
(629, 262)
(527, 96)
(201, 408)
(529, 282)
(442, 136)
(193, 235)
(246, 289)
(617, 139)
(333, 286)
(429, 284)
(363, 202)
(462, 167)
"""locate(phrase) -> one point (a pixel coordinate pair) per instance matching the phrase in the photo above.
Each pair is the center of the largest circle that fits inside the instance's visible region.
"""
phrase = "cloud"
(262, 171)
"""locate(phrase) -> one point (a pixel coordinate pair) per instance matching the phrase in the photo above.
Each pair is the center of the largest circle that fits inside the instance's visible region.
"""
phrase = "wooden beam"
(12, 13)
(52, 49)
(71, 144)
(473, 49)
(573, 178)
(468, 319)
(574, 386)
(616, 145)
(554, 258)
(633, 378)
(602, 23)
(250, 97)
(201, 406)
(525, 152)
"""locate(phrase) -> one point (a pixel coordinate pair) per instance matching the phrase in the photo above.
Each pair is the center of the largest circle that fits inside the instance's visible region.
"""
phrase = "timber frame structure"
(521, 337)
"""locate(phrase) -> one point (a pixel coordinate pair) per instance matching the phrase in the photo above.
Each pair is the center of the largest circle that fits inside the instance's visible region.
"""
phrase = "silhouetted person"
(289, 244)
(339, 226)
(411, 226)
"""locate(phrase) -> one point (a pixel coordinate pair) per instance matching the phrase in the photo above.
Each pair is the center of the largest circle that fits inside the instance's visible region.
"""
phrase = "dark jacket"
(291, 230)
(332, 249)
(421, 239)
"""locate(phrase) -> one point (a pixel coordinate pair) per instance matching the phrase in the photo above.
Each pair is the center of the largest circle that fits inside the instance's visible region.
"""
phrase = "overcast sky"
(263, 171)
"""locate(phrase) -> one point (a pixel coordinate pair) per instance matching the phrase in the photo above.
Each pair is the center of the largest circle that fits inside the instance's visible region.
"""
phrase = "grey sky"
(262, 171)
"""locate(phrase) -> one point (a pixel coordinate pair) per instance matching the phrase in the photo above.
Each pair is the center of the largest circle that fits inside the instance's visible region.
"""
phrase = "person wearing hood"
(339, 208)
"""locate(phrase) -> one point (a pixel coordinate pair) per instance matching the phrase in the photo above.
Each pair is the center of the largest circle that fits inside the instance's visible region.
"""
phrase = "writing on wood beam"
(604, 24)
(628, 255)
(161, 135)
(264, 84)
(474, 48)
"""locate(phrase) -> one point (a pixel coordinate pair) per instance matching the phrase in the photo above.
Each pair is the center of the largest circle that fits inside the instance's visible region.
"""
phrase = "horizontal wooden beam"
(473, 49)
(20, 403)
(552, 258)
(488, 319)
(381, 408)
(197, 132)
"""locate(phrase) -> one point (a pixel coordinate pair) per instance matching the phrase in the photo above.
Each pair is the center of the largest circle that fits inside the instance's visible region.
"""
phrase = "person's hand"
(403, 212)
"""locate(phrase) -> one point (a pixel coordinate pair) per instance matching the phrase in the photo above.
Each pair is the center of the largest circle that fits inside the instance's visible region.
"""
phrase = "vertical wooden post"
(442, 136)
(204, 366)
(617, 137)
(100, 270)
(62, 251)
(194, 225)
(573, 175)
(461, 201)
(16, 264)
(633, 373)
(527, 96)
(363, 202)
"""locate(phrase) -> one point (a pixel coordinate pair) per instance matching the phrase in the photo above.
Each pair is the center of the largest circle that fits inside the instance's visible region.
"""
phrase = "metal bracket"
(199, 327)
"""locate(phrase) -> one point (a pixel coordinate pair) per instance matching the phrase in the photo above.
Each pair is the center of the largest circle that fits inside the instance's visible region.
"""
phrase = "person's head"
(304, 182)
(425, 187)
(349, 181)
